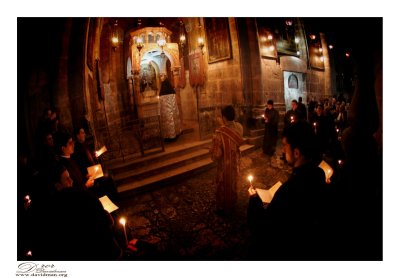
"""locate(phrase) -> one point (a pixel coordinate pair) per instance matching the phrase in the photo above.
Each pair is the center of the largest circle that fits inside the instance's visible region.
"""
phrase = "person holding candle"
(77, 226)
(271, 118)
(291, 226)
(292, 115)
(103, 186)
(225, 151)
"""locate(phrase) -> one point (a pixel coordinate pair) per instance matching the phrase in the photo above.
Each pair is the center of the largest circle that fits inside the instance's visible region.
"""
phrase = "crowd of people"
(309, 218)
(59, 193)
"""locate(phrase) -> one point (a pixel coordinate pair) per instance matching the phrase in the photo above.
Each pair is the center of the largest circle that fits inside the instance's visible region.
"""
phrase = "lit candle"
(122, 221)
(29, 253)
(27, 200)
(250, 178)
(291, 119)
(337, 130)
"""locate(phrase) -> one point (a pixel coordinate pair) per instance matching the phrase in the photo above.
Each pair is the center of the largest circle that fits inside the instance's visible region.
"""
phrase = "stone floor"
(178, 222)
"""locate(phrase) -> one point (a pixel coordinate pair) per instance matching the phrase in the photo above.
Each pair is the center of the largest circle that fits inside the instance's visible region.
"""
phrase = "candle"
(28, 201)
(122, 221)
(250, 178)
(29, 253)
(291, 119)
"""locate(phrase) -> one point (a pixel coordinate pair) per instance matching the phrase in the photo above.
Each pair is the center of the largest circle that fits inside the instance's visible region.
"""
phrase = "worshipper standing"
(324, 129)
(291, 226)
(225, 151)
(83, 156)
(292, 115)
(271, 118)
(65, 148)
(169, 111)
(301, 110)
(101, 186)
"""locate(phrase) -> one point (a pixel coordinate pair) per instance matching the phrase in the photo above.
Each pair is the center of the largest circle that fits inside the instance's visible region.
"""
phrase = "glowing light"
(250, 178)
(122, 221)
(114, 40)
(298, 52)
(29, 253)
(200, 41)
(296, 40)
(270, 37)
(330, 46)
(321, 59)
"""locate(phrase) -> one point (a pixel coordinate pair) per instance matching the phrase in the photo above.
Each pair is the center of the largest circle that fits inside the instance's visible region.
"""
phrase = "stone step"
(134, 162)
(166, 177)
(160, 166)
(184, 167)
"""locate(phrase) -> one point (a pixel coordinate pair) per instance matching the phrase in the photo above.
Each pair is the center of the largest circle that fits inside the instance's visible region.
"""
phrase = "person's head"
(61, 177)
(228, 113)
(320, 109)
(64, 144)
(163, 77)
(294, 104)
(270, 104)
(300, 99)
(48, 139)
(80, 134)
(298, 142)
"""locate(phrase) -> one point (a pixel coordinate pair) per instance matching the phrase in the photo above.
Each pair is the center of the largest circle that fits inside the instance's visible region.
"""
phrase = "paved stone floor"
(178, 222)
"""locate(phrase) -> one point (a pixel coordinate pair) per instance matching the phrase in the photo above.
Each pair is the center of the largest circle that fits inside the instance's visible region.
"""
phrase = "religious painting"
(196, 75)
(267, 43)
(278, 33)
(315, 51)
(218, 39)
(90, 44)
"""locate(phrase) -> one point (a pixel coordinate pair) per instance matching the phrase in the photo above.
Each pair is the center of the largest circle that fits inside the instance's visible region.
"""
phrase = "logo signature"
(39, 270)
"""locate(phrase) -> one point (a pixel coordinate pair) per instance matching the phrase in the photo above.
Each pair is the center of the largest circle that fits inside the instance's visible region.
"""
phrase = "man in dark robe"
(291, 226)
(271, 118)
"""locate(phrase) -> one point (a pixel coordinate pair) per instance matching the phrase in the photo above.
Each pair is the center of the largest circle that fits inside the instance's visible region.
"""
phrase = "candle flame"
(122, 221)
(250, 178)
